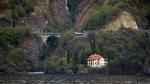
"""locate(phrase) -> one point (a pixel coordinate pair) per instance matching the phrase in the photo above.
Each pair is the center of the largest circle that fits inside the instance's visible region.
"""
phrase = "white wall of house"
(97, 63)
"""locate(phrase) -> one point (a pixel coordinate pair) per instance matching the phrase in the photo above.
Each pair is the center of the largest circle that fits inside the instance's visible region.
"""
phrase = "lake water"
(71, 79)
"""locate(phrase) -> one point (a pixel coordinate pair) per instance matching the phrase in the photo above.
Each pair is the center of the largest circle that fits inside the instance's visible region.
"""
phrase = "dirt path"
(83, 16)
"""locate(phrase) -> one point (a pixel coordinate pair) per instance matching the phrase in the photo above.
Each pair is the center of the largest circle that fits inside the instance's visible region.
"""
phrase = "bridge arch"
(52, 41)
(45, 36)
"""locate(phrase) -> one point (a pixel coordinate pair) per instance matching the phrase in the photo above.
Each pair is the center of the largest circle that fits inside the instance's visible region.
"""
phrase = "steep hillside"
(108, 14)
(111, 14)
(37, 20)
(58, 16)
(20, 50)
(29, 13)
(123, 20)
(82, 17)
(127, 50)
(59, 12)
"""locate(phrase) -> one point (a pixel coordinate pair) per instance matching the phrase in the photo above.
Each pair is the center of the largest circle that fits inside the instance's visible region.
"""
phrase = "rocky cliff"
(20, 50)
(34, 47)
(36, 20)
(59, 13)
(123, 20)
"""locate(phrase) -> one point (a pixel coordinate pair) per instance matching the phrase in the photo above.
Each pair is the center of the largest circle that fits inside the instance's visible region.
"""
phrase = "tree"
(91, 38)
(16, 8)
(68, 56)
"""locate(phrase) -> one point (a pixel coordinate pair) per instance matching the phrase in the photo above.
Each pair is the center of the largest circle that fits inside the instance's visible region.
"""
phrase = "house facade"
(96, 61)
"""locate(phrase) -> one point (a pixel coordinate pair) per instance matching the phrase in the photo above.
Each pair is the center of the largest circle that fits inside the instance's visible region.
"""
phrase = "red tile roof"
(95, 57)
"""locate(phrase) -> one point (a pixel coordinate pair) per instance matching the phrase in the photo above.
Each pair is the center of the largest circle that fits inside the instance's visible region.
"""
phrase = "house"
(96, 61)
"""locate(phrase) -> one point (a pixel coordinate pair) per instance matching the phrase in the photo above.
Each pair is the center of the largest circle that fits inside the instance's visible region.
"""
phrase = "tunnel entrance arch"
(52, 41)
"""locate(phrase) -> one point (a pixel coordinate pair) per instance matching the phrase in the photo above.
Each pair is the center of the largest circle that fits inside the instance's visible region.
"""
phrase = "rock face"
(34, 47)
(54, 11)
(84, 15)
(124, 19)
(59, 12)
(37, 19)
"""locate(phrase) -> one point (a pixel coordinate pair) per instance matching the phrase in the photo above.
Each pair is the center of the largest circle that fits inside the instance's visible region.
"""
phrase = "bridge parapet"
(58, 35)
(46, 35)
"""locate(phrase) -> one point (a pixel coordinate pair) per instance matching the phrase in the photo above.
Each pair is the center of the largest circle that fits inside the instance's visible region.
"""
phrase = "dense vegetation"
(72, 5)
(99, 17)
(143, 12)
(14, 59)
(138, 8)
(13, 9)
(127, 51)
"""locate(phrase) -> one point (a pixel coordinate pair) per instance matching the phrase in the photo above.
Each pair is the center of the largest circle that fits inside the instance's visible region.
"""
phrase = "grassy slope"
(105, 13)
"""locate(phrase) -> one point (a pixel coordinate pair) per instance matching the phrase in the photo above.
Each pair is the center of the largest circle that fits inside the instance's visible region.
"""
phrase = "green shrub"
(67, 36)
(72, 5)
(99, 17)
(14, 59)
(126, 45)
(13, 36)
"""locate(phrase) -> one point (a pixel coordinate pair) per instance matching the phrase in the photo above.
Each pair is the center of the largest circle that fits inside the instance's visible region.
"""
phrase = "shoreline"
(43, 73)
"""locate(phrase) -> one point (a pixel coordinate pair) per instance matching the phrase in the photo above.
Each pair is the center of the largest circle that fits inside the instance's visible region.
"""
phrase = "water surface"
(71, 79)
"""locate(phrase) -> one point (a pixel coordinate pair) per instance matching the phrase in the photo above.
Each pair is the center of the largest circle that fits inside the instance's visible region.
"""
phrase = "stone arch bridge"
(45, 36)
